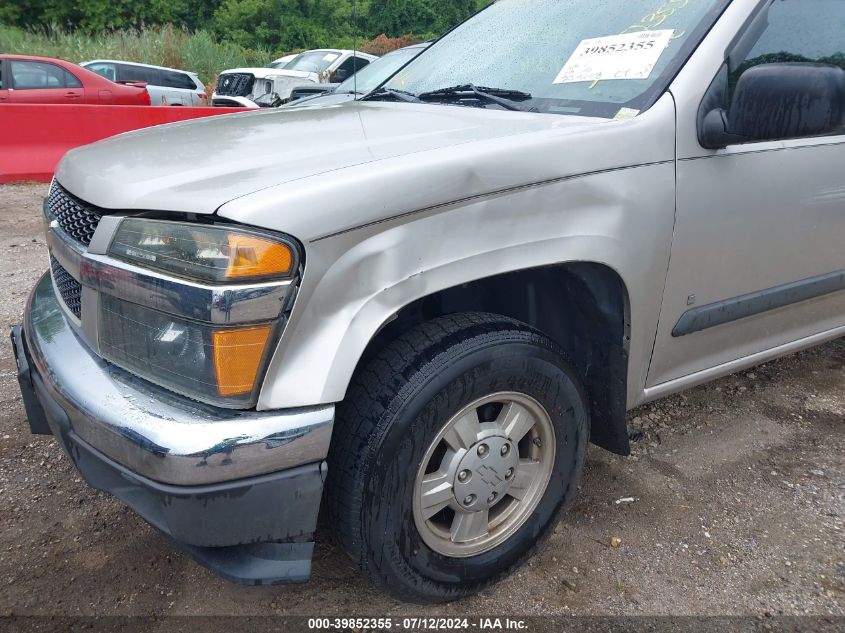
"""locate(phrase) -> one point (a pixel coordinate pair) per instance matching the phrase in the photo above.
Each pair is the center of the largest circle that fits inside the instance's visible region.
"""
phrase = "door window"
(128, 72)
(28, 75)
(799, 31)
(349, 68)
(173, 79)
(353, 65)
(104, 70)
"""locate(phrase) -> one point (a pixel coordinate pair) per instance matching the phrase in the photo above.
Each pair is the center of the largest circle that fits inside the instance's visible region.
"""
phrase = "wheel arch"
(583, 306)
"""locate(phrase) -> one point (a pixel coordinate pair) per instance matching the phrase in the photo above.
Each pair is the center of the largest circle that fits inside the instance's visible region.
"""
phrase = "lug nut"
(482, 450)
(492, 497)
(469, 500)
(509, 473)
(506, 449)
(463, 475)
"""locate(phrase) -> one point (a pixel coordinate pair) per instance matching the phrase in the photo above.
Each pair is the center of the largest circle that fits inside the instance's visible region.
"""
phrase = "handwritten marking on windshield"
(654, 20)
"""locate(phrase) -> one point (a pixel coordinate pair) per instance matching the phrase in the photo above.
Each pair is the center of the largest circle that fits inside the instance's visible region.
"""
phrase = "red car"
(28, 79)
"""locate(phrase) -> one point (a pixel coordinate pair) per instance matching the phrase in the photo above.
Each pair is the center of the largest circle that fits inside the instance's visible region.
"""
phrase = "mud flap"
(34, 411)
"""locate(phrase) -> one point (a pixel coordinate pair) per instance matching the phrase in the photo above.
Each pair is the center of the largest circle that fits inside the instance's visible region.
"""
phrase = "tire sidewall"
(394, 548)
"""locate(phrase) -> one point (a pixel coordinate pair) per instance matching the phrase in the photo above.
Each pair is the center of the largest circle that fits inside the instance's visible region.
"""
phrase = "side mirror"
(340, 76)
(775, 102)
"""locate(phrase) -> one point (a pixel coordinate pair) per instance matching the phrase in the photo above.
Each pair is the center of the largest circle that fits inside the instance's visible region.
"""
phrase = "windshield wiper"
(399, 95)
(503, 96)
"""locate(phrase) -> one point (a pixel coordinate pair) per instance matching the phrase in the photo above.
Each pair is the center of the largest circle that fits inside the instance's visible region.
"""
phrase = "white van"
(167, 86)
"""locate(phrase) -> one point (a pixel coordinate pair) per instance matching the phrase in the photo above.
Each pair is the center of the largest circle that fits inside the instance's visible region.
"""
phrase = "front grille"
(69, 289)
(77, 218)
(235, 84)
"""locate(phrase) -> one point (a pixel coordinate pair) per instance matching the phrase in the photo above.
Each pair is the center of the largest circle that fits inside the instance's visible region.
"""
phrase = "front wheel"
(455, 449)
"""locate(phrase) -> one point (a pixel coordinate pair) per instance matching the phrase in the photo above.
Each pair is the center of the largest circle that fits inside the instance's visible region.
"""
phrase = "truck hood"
(324, 99)
(300, 74)
(198, 166)
(265, 73)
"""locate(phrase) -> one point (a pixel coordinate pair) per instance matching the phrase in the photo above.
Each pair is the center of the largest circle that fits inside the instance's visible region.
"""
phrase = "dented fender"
(357, 278)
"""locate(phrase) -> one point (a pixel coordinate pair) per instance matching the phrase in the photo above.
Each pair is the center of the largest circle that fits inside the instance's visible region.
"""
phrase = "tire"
(396, 408)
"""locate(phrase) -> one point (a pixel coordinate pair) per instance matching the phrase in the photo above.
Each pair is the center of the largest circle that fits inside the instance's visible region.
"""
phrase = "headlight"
(205, 362)
(205, 253)
(223, 268)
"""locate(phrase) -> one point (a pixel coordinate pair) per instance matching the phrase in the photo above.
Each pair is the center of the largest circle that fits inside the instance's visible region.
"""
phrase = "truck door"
(757, 264)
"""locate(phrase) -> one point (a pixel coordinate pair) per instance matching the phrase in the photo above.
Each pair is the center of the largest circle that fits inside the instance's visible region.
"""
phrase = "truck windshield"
(600, 58)
(312, 61)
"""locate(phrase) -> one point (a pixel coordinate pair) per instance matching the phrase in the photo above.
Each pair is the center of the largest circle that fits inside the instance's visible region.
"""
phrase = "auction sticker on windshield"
(626, 56)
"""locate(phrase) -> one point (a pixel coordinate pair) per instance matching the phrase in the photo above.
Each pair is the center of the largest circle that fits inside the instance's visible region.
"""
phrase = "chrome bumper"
(153, 432)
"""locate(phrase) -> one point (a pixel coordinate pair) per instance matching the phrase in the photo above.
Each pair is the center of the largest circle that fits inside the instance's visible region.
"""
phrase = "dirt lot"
(737, 488)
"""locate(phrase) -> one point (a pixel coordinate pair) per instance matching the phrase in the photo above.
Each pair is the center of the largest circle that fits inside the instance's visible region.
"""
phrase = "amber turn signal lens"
(251, 256)
(237, 357)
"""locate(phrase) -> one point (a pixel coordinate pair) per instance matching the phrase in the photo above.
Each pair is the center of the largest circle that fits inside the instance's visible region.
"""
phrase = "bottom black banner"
(402, 624)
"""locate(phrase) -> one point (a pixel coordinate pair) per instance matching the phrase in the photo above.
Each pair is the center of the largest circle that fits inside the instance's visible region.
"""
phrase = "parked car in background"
(360, 83)
(30, 79)
(167, 86)
(243, 87)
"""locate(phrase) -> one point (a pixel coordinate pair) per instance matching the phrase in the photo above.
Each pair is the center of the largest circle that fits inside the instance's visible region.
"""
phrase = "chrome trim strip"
(180, 297)
(91, 318)
(66, 251)
(103, 235)
(69, 257)
(74, 321)
(154, 432)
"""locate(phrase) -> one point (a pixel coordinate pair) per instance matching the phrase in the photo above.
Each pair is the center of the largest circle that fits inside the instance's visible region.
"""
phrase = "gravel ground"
(732, 503)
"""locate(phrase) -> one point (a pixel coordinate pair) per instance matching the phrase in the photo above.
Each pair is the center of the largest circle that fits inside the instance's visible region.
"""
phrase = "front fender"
(356, 281)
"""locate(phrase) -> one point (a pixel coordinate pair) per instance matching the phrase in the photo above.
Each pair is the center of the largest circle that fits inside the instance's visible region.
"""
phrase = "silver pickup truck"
(497, 253)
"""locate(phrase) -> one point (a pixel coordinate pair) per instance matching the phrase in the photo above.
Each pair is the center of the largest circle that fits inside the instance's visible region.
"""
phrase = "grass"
(163, 46)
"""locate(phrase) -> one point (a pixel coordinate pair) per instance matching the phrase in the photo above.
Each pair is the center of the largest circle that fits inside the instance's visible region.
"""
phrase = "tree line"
(282, 25)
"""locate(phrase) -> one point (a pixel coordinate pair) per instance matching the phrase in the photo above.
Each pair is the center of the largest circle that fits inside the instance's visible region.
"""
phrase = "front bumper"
(225, 101)
(239, 491)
